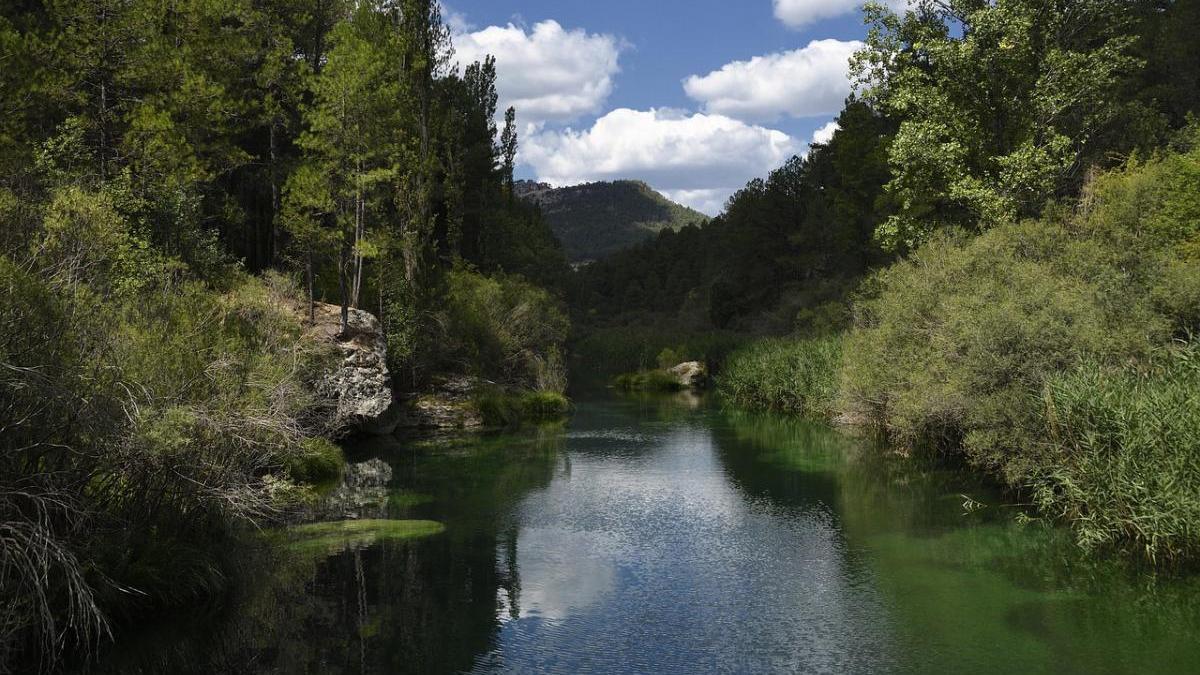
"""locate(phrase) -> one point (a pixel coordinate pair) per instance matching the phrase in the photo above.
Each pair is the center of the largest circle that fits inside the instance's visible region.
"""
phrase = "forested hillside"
(948, 131)
(802, 236)
(597, 219)
(995, 256)
(176, 180)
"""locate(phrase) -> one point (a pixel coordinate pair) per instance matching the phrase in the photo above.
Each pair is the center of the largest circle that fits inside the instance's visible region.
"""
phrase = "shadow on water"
(421, 606)
(664, 534)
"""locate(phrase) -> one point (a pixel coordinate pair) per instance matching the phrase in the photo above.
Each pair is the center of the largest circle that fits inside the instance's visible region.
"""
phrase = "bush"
(1123, 450)
(544, 406)
(957, 344)
(789, 375)
(960, 335)
(319, 461)
(648, 380)
(502, 408)
(142, 416)
(505, 329)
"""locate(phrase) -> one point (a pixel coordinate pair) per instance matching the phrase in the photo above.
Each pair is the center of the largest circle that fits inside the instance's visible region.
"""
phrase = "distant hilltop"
(594, 220)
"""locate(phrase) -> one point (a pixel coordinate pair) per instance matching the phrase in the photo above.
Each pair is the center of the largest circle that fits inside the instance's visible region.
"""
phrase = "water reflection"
(972, 589)
(645, 557)
(665, 535)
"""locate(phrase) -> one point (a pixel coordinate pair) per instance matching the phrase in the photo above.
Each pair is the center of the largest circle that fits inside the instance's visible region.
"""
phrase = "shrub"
(319, 461)
(789, 375)
(962, 333)
(142, 415)
(544, 406)
(502, 408)
(668, 358)
(504, 328)
(957, 345)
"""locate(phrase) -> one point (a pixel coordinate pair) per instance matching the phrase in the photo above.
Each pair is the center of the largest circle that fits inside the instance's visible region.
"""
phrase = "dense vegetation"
(987, 344)
(177, 181)
(995, 256)
(796, 240)
(595, 220)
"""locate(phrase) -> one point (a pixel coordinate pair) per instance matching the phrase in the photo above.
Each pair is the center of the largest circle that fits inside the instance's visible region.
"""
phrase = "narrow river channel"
(667, 535)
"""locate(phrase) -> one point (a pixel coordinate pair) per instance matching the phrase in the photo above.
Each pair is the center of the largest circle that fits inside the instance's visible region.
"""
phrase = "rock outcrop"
(361, 387)
(448, 404)
(690, 375)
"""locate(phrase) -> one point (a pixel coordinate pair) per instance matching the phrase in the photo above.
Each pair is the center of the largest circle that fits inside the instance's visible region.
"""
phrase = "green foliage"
(327, 538)
(790, 375)
(84, 239)
(542, 406)
(319, 461)
(961, 333)
(1000, 103)
(141, 415)
(648, 380)
(505, 329)
(500, 407)
(668, 358)
(1123, 454)
(632, 348)
(957, 344)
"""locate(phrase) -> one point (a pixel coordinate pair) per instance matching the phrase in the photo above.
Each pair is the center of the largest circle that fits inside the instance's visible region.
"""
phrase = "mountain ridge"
(594, 220)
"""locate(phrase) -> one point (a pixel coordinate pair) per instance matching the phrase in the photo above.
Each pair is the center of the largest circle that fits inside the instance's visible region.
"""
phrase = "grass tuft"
(787, 375)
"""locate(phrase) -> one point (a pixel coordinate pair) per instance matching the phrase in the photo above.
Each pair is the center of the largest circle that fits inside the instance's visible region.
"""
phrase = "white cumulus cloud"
(699, 159)
(805, 82)
(800, 13)
(825, 134)
(549, 73)
(710, 202)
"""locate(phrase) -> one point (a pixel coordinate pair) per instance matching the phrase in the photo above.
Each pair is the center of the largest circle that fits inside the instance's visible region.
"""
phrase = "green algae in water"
(337, 536)
(404, 499)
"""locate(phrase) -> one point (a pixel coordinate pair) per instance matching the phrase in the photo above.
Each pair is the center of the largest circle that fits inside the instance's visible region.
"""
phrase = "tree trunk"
(312, 303)
(275, 234)
(103, 132)
(343, 282)
(359, 232)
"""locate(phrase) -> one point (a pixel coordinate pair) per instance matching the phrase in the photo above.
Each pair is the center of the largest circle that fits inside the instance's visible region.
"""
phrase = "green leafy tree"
(348, 167)
(1000, 103)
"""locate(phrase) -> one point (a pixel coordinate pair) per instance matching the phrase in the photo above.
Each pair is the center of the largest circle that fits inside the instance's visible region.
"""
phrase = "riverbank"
(153, 419)
(1056, 355)
(684, 535)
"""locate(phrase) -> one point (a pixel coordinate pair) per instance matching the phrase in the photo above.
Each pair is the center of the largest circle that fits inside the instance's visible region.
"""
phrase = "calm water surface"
(664, 535)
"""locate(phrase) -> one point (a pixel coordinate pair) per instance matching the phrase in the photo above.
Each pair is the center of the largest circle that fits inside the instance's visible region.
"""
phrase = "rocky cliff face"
(449, 403)
(360, 387)
(360, 392)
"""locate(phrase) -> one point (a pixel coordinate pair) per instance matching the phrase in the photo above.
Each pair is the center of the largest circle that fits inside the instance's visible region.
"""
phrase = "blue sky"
(695, 97)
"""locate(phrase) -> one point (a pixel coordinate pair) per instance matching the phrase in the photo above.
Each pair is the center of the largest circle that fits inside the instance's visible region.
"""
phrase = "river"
(667, 535)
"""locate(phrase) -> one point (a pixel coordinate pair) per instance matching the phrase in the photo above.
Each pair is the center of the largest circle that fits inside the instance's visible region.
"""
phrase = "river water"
(667, 535)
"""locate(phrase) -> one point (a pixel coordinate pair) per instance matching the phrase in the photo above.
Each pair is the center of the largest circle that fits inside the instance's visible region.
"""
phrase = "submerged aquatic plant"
(333, 537)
